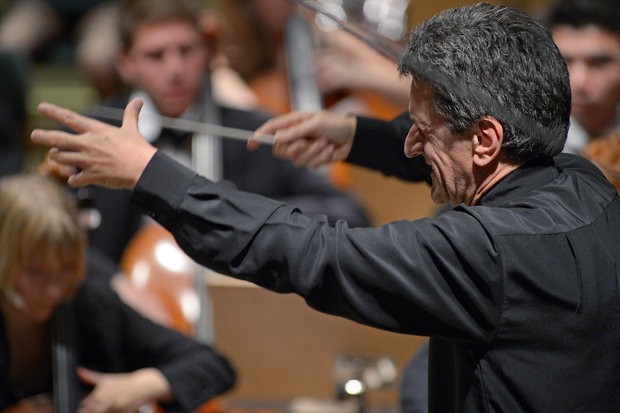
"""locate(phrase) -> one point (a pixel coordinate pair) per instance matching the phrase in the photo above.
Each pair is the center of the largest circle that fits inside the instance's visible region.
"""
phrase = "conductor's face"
(168, 60)
(449, 155)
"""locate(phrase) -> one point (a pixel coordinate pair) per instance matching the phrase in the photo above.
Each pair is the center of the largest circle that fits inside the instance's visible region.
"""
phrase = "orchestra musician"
(164, 61)
(123, 359)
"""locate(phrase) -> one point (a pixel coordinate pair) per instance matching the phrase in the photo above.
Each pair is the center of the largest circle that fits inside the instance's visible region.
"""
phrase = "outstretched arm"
(106, 155)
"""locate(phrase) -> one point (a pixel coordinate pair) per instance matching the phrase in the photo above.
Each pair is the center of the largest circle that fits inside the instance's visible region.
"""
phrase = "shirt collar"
(520, 181)
(149, 122)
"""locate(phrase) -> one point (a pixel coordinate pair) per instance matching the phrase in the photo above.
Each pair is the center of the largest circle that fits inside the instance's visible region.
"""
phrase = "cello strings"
(187, 125)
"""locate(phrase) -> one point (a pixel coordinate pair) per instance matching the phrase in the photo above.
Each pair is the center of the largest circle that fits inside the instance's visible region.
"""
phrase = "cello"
(604, 152)
(66, 392)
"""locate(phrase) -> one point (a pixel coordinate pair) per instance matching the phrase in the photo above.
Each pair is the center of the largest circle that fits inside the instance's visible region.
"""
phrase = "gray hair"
(495, 61)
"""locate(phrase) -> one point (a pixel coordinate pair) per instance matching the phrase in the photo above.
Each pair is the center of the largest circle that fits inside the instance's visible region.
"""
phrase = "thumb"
(130, 116)
(89, 376)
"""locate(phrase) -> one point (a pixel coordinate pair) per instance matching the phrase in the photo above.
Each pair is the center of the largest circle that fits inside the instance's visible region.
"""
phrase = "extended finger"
(130, 116)
(310, 128)
(253, 145)
(69, 118)
(79, 180)
(312, 151)
(88, 376)
(58, 139)
(281, 123)
(323, 157)
(76, 179)
(289, 150)
(69, 158)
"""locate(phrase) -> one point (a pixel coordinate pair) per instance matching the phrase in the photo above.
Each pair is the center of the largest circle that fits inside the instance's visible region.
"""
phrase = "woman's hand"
(122, 392)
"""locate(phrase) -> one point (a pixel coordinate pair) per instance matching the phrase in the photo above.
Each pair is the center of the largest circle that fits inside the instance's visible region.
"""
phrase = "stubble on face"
(448, 154)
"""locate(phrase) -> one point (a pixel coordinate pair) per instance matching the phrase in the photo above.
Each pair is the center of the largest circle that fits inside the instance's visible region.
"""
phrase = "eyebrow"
(600, 56)
(421, 125)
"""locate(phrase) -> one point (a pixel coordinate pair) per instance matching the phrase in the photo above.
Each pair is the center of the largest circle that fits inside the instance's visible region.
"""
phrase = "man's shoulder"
(556, 203)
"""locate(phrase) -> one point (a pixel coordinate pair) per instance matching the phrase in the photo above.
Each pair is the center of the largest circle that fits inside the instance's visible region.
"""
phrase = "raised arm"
(106, 155)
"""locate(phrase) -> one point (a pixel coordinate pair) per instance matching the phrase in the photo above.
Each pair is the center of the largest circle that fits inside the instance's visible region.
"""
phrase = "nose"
(413, 143)
(174, 62)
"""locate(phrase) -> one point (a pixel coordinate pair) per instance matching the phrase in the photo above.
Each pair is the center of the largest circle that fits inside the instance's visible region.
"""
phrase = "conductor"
(517, 285)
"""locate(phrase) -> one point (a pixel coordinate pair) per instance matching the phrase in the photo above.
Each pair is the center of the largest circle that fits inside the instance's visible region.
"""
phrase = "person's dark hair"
(133, 13)
(580, 13)
(486, 60)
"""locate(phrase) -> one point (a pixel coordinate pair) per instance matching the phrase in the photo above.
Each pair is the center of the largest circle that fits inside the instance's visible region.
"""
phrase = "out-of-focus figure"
(34, 29)
(59, 322)
(587, 32)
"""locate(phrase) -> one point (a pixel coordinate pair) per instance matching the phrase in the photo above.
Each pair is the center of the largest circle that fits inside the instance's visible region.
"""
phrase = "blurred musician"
(125, 359)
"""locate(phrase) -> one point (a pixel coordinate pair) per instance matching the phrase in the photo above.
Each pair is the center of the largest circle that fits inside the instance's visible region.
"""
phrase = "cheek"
(436, 156)
(22, 286)
(446, 169)
(147, 77)
(607, 80)
(29, 293)
(195, 68)
(152, 74)
(612, 81)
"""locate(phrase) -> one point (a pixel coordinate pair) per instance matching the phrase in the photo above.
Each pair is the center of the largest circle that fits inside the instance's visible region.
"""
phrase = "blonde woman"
(123, 359)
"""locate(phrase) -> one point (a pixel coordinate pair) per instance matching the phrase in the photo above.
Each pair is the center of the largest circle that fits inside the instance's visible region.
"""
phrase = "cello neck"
(66, 387)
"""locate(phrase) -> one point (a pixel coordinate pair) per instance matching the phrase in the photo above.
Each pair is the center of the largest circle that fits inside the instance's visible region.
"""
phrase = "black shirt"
(519, 294)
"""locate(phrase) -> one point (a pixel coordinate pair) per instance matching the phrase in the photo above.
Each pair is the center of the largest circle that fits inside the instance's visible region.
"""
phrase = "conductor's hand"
(107, 156)
(122, 392)
(312, 139)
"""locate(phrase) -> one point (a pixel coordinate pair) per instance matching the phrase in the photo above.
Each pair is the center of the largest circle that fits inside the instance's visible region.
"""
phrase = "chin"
(171, 111)
(174, 107)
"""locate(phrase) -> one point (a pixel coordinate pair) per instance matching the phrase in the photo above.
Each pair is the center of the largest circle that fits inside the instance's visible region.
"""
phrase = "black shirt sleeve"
(114, 338)
(379, 145)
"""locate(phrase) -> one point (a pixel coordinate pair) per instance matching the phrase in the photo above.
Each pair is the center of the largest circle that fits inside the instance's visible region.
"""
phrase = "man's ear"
(124, 67)
(487, 140)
